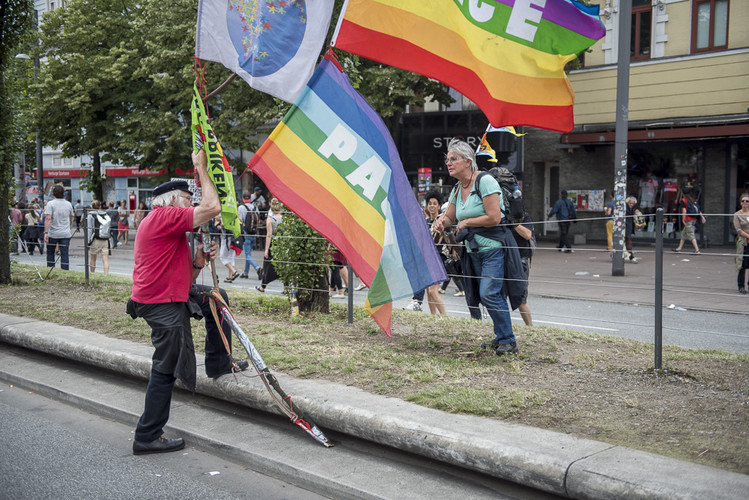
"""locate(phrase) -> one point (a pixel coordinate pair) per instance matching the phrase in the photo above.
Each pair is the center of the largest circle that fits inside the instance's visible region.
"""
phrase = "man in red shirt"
(162, 279)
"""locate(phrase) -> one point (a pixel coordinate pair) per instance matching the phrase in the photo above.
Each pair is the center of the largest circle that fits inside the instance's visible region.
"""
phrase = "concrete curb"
(549, 461)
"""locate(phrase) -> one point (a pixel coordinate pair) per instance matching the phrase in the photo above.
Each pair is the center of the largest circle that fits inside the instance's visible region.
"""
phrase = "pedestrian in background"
(250, 221)
(58, 217)
(78, 214)
(114, 214)
(690, 212)
(609, 213)
(97, 244)
(526, 241)
(565, 212)
(741, 224)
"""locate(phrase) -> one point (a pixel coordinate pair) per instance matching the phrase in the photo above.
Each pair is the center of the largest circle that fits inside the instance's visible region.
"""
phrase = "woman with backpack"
(477, 214)
(690, 212)
(98, 224)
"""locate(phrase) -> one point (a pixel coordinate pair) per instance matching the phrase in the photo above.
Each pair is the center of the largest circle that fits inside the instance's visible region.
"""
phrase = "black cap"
(171, 186)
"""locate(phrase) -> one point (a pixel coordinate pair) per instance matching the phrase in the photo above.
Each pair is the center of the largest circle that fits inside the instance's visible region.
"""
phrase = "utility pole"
(622, 129)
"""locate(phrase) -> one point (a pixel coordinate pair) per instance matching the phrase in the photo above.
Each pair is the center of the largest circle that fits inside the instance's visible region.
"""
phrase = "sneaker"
(243, 275)
(361, 287)
(441, 290)
(742, 290)
(459, 294)
(413, 306)
(338, 296)
(634, 260)
(506, 349)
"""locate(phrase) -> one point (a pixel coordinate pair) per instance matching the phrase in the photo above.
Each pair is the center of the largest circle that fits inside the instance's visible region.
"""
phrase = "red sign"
(65, 173)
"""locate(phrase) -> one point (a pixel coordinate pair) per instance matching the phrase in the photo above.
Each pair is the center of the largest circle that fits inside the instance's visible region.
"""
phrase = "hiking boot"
(506, 349)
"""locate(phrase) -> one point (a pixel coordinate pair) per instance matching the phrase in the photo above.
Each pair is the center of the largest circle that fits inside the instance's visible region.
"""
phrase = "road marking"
(554, 323)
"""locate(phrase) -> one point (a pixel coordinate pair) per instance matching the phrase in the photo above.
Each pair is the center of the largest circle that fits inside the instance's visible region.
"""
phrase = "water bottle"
(516, 193)
(294, 305)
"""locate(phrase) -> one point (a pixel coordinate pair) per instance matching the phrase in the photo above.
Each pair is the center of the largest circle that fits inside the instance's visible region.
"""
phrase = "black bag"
(512, 198)
(251, 221)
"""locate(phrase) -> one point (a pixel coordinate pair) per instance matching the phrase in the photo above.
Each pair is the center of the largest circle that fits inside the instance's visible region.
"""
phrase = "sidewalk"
(552, 462)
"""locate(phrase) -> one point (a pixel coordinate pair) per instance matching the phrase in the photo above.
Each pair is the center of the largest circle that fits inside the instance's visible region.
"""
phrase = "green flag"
(218, 168)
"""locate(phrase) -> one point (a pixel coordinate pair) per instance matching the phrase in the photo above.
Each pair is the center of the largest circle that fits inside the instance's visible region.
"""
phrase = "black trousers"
(564, 229)
(741, 278)
(174, 355)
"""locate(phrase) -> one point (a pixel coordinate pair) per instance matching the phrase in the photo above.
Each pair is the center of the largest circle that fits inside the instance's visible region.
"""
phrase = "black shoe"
(493, 344)
(259, 273)
(742, 290)
(506, 349)
(243, 275)
(231, 278)
(243, 365)
(260, 289)
(161, 445)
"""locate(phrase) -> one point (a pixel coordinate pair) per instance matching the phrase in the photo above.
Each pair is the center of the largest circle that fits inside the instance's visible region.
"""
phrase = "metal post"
(622, 128)
(39, 163)
(350, 294)
(85, 243)
(658, 318)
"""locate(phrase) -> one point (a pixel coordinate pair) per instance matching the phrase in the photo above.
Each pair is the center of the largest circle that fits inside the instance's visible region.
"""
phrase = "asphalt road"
(52, 450)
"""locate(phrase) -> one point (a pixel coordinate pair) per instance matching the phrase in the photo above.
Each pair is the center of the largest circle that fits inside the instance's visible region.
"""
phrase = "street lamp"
(39, 164)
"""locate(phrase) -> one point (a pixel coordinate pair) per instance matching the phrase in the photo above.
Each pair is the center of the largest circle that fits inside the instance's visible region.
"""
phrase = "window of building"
(642, 27)
(709, 25)
(56, 161)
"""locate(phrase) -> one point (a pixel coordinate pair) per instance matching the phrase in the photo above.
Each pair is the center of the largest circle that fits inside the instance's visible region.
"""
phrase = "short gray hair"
(165, 199)
(630, 198)
(464, 150)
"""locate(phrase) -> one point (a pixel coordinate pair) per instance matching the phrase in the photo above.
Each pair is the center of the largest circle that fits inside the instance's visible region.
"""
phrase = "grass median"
(591, 386)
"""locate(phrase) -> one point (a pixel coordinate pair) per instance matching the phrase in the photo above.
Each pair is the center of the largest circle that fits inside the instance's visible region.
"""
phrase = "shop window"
(642, 24)
(709, 25)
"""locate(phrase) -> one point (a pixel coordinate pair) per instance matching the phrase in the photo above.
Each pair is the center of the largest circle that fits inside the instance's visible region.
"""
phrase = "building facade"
(688, 121)
(688, 116)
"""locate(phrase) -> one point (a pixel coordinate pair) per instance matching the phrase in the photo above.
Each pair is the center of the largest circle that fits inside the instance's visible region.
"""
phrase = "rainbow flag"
(333, 162)
(507, 56)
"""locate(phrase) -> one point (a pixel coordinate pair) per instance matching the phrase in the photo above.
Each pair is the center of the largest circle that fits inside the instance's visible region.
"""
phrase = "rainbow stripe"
(507, 56)
(332, 162)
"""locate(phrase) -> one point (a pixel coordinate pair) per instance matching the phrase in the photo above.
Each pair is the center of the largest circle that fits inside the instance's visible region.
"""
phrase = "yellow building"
(688, 114)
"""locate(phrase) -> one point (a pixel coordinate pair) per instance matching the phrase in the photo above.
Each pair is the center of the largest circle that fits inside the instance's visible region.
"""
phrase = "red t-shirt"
(163, 264)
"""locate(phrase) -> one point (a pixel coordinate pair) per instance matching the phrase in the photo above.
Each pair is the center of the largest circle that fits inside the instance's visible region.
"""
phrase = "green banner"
(218, 168)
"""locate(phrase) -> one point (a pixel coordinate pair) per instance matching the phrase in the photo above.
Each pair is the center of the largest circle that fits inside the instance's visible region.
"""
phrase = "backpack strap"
(478, 181)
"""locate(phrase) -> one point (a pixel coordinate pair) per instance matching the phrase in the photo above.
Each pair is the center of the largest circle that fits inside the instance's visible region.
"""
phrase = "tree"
(299, 259)
(15, 24)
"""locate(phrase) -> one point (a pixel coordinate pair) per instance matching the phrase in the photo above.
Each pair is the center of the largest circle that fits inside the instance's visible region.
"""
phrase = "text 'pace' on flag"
(218, 168)
(507, 56)
(333, 162)
(273, 45)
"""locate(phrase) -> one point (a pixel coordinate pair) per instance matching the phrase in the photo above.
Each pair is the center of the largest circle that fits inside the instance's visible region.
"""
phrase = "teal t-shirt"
(474, 207)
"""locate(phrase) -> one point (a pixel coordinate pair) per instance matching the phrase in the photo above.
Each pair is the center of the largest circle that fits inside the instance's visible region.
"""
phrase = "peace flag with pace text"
(333, 162)
(507, 56)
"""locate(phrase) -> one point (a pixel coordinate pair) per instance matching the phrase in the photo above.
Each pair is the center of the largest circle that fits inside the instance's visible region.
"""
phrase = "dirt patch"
(591, 386)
